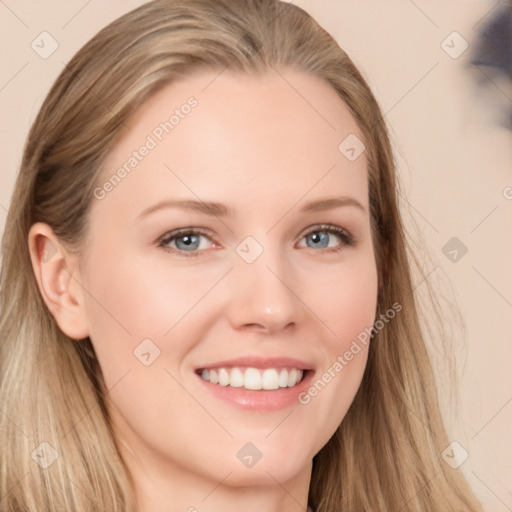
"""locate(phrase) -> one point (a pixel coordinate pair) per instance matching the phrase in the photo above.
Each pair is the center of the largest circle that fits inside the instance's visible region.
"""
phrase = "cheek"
(346, 303)
(345, 299)
(139, 321)
(130, 300)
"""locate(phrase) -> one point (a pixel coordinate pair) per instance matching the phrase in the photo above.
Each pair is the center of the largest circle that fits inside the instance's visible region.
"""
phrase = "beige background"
(454, 163)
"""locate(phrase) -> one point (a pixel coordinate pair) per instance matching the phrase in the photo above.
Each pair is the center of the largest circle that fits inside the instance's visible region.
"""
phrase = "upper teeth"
(253, 378)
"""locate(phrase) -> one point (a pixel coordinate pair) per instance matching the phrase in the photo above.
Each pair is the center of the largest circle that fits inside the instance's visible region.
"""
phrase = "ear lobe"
(58, 279)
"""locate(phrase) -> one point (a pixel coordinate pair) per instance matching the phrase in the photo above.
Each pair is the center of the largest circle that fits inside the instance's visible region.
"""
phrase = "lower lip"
(259, 400)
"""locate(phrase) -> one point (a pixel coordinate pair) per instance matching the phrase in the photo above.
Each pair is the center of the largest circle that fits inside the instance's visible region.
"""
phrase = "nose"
(262, 294)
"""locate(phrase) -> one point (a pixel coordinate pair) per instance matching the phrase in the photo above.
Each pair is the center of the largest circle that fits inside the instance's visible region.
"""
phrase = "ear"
(58, 279)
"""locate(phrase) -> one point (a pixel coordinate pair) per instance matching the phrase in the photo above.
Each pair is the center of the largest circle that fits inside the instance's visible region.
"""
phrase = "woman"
(259, 369)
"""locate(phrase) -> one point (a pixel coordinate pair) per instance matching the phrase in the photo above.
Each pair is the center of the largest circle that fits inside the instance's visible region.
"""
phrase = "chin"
(261, 477)
(271, 467)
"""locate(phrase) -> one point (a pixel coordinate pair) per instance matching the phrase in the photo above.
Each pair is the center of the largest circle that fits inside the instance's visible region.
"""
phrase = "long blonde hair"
(385, 455)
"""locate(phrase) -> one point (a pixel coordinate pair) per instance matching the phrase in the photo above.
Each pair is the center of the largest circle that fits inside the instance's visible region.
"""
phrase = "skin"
(264, 149)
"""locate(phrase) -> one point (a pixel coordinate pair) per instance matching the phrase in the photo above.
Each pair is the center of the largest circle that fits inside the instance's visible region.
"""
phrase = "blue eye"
(320, 235)
(186, 241)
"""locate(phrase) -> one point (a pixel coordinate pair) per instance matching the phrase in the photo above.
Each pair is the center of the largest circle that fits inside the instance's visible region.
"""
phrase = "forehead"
(229, 136)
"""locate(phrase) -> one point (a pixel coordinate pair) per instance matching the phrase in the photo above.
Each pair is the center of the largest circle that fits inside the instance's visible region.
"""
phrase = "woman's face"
(262, 288)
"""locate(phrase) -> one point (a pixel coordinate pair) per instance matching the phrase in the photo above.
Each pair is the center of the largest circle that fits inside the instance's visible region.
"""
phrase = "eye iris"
(188, 240)
(320, 236)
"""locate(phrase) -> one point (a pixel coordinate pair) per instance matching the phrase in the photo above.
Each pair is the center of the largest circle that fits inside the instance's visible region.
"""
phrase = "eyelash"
(347, 239)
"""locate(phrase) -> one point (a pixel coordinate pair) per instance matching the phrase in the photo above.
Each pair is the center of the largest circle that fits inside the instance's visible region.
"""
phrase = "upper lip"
(260, 362)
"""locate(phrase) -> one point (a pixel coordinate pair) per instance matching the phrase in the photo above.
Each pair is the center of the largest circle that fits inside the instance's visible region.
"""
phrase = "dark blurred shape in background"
(491, 59)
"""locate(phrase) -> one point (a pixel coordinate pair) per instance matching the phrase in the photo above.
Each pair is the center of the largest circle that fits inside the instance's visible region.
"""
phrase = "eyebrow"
(221, 210)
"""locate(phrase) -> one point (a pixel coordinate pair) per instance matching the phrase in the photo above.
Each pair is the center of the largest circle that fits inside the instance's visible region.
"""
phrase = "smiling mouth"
(253, 378)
